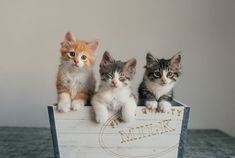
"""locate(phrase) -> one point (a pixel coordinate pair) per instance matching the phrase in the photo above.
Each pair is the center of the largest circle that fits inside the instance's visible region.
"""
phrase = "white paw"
(63, 106)
(151, 104)
(128, 111)
(64, 102)
(128, 117)
(164, 106)
(100, 108)
(101, 118)
(78, 104)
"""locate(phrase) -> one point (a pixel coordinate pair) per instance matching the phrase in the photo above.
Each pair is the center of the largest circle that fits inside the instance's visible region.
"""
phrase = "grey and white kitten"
(156, 89)
(114, 92)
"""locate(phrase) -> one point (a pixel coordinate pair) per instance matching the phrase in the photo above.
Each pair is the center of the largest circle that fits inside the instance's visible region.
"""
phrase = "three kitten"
(156, 89)
(75, 79)
(76, 82)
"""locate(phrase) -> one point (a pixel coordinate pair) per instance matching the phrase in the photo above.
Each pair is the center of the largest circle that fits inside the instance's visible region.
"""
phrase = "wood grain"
(152, 134)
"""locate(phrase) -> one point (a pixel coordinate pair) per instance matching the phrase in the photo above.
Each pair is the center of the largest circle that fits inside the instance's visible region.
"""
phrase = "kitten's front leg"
(165, 102)
(146, 97)
(101, 111)
(151, 104)
(80, 100)
(64, 102)
(78, 104)
(164, 106)
(128, 110)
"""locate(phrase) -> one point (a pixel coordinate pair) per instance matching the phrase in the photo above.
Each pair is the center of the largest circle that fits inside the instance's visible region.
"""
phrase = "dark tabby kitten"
(156, 89)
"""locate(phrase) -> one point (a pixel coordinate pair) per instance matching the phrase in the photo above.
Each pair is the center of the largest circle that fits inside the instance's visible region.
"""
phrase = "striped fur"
(158, 81)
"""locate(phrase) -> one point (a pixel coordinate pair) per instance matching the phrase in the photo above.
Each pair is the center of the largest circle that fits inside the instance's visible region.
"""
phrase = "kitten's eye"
(169, 74)
(109, 76)
(83, 57)
(158, 74)
(72, 54)
(122, 79)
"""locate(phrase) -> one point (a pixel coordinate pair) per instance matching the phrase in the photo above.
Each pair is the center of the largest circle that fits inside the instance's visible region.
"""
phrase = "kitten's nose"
(75, 61)
(114, 82)
(163, 80)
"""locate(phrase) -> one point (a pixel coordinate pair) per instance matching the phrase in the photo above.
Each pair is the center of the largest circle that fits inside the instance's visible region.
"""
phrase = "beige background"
(30, 33)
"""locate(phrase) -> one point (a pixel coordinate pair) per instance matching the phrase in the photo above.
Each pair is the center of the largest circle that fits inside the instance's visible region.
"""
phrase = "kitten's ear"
(69, 37)
(150, 60)
(107, 59)
(93, 45)
(176, 59)
(130, 67)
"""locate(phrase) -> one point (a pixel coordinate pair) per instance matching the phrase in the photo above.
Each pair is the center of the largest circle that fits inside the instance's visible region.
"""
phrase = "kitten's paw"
(63, 106)
(64, 102)
(101, 118)
(151, 104)
(164, 106)
(78, 104)
(128, 118)
(128, 111)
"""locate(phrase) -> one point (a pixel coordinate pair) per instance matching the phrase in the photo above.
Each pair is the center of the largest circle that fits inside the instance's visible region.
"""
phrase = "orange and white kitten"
(75, 79)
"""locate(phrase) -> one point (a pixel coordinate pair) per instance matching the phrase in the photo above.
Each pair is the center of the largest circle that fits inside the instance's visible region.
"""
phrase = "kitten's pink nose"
(163, 81)
(114, 83)
(75, 61)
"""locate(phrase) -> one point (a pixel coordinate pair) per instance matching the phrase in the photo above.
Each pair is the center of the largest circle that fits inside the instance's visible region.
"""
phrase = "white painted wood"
(152, 134)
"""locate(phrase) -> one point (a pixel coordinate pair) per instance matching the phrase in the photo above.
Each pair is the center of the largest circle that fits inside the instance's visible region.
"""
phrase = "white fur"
(151, 104)
(101, 111)
(164, 77)
(77, 78)
(78, 104)
(157, 89)
(78, 81)
(114, 99)
(164, 106)
(64, 102)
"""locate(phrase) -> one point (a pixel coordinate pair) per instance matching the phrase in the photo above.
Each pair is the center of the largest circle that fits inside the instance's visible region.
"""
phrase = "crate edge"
(53, 131)
(183, 133)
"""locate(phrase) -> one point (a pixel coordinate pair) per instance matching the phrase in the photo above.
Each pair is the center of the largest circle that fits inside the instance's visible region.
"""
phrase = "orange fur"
(68, 80)
(61, 88)
(83, 95)
(79, 47)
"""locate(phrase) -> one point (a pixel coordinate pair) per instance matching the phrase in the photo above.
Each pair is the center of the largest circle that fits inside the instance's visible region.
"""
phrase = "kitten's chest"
(115, 103)
(75, 79)
(76, 82)
(159, 90)
(116, 99)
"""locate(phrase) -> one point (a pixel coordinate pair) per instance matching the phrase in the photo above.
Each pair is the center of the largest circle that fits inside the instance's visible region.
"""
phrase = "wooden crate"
(152, 134)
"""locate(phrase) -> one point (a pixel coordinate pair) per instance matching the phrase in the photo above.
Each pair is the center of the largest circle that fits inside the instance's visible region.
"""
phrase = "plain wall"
(31, 32)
